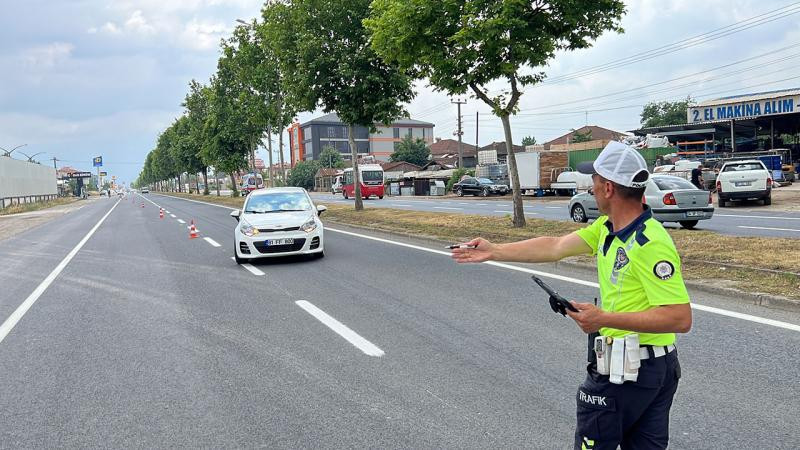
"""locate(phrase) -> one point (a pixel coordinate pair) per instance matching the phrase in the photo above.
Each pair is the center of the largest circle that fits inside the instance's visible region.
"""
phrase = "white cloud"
(48, 56)
(138, 24)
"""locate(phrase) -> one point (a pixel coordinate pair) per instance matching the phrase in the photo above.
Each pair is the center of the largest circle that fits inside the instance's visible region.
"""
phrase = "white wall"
(22, 179)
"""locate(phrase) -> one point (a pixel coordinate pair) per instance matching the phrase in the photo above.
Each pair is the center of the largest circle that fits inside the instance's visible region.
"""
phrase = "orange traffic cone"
(161, 213)
(192, 231)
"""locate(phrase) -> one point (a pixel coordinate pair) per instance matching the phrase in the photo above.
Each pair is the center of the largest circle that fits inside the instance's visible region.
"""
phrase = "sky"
(85, 78)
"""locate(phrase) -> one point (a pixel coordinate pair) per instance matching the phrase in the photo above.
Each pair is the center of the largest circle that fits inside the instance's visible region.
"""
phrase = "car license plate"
(741, 183)
(694, 213)
(287, 241)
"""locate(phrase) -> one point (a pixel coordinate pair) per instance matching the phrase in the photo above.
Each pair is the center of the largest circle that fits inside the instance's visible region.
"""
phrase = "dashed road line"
(173, 216)
(341, 329)
(445, 207)
(212, 242)
(253, 270)
(767, 228)
(181, 221)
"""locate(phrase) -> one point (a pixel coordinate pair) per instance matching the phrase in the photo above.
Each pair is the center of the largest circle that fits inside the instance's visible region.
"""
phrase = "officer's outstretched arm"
(540, 249)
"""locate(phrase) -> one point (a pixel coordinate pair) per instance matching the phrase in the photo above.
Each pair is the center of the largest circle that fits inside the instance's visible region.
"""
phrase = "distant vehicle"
(744, 180)
(251, 182)
(278, 222)
(479, 186)
(672, 199)
(371, 180)
(336, 187)
(145, 190)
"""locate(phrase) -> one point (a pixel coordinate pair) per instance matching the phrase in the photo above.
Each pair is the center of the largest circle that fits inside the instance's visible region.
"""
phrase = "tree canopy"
(330, 157)
(415, 151)
(659, 114)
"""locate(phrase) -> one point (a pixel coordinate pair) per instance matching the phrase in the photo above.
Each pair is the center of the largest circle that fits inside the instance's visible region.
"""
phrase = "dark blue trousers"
(628, 415)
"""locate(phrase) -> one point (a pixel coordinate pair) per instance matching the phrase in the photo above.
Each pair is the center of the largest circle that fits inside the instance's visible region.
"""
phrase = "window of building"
(331, 132)
(410, 133)
(396, 133)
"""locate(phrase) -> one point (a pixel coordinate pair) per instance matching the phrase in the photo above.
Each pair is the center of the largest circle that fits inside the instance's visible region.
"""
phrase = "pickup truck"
(744, 180)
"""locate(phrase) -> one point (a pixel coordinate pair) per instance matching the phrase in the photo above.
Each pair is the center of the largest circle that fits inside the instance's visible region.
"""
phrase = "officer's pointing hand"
(481, 252)
(588, 317)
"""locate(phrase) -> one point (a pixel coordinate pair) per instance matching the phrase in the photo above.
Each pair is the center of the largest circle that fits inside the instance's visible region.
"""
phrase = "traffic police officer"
(642, 294)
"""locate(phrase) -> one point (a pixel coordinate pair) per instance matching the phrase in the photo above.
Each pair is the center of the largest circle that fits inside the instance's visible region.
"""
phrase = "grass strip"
(36, 206)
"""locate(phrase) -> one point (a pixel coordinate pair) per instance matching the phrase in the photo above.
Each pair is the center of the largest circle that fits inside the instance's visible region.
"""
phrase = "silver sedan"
(671, 198)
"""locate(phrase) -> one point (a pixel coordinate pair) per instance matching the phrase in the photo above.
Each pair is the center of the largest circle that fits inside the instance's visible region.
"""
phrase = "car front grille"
(314, 243)
(275, 230)
(263, 248)
(244, 248)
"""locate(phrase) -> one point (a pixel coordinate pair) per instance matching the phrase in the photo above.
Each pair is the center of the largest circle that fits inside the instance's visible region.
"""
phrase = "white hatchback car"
(278, 222)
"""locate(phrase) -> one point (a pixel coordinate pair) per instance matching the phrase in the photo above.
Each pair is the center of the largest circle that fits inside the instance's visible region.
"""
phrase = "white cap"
(619, 163)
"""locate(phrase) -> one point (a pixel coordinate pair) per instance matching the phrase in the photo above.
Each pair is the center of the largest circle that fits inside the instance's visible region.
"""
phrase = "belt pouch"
(602, 356)
(617, 361)
(633, 359)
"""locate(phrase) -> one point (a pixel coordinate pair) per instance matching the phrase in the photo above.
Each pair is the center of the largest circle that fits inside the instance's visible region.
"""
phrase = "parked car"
(145, 190)
(278, 222)
(479, 186)
(671, 198)
(744, 180)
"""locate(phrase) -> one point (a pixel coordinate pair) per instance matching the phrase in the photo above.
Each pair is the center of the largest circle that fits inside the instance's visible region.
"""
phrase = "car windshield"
(277, 202)
(672, 183)
(484, 181)
(739, 167)
(372, 175)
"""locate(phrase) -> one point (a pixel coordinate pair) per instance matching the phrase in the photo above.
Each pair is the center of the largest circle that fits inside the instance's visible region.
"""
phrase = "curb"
(736, 295)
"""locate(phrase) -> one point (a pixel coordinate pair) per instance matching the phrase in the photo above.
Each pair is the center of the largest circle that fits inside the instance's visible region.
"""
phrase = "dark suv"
(479, 186)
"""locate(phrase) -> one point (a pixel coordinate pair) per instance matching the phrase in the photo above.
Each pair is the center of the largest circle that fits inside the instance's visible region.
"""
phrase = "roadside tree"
(415, 151)
(332, 158)
(659, 114)
(462, 45)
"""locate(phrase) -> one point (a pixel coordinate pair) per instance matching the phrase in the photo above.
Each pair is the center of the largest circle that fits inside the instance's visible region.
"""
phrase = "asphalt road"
(737, 221)
(145, 338)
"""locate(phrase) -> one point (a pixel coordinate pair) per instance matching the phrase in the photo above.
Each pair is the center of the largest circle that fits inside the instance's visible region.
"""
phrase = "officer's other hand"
(482, 251)
(588, 317)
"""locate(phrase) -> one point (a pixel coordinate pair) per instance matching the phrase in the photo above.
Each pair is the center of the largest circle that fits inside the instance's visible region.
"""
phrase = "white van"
(336, 187)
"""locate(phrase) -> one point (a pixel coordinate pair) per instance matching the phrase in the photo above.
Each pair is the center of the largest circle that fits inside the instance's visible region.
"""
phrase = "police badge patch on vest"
(621, 260)
(664, 270)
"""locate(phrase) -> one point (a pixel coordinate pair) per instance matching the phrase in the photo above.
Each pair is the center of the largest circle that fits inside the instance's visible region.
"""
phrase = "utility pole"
(477, 145)
(54, 163)
(460, 132)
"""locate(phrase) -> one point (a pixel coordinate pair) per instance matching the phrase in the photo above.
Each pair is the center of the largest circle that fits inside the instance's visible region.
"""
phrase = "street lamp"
(8, 152)
(30, 158)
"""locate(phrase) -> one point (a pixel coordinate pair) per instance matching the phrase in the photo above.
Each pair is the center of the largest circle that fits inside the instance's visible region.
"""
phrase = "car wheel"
(485, 192)
(720, 202)
(689, 224)
(459, 192)
(380, 197)
(579, 214)
(236, 256)
(345, 195)
(767, 201)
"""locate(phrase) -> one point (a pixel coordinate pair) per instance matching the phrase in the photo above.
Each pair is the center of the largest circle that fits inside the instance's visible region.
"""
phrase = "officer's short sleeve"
(591, 233)
(658, 266)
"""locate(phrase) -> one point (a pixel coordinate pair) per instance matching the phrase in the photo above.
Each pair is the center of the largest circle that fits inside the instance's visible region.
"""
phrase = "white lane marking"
(15, 317)
(198, 201)
(181, 221)
(482, 204)
(173, 216)
(445, 207)
(156, 204)
(465, 203)
(399, 204)
(166, 211)
(553, 207)
(757, 217)
(253, 270)
(710, 309)
(341, 329)
(212, 242)
(767, 228)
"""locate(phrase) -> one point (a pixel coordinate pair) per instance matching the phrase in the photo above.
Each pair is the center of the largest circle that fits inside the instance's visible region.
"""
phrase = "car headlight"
(247, 229)
(309, 226)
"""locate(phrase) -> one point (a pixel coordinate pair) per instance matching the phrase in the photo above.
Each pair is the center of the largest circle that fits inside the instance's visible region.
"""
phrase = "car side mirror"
(321, 209)
(235, 214)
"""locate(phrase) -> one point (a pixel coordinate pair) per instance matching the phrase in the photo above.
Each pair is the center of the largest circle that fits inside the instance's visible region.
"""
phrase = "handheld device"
(451, 247)
(558, 303)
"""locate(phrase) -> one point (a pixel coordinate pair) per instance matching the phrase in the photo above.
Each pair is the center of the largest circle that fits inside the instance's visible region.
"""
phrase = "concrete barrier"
(24, 182)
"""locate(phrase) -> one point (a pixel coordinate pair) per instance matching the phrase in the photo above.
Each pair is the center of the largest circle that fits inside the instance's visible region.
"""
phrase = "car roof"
(742, 161)
(277, 190)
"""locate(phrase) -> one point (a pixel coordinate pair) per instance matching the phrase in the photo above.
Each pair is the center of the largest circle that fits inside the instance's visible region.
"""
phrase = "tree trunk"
(233, 185)
(196, 183)
(280, 155)
(205, 181)
(216, 177)
(269, 145)
(356, 178)
(516, 192)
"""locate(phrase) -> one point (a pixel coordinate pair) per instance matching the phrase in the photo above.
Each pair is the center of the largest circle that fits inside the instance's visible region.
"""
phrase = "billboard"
(745, 109)
(98, 161)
